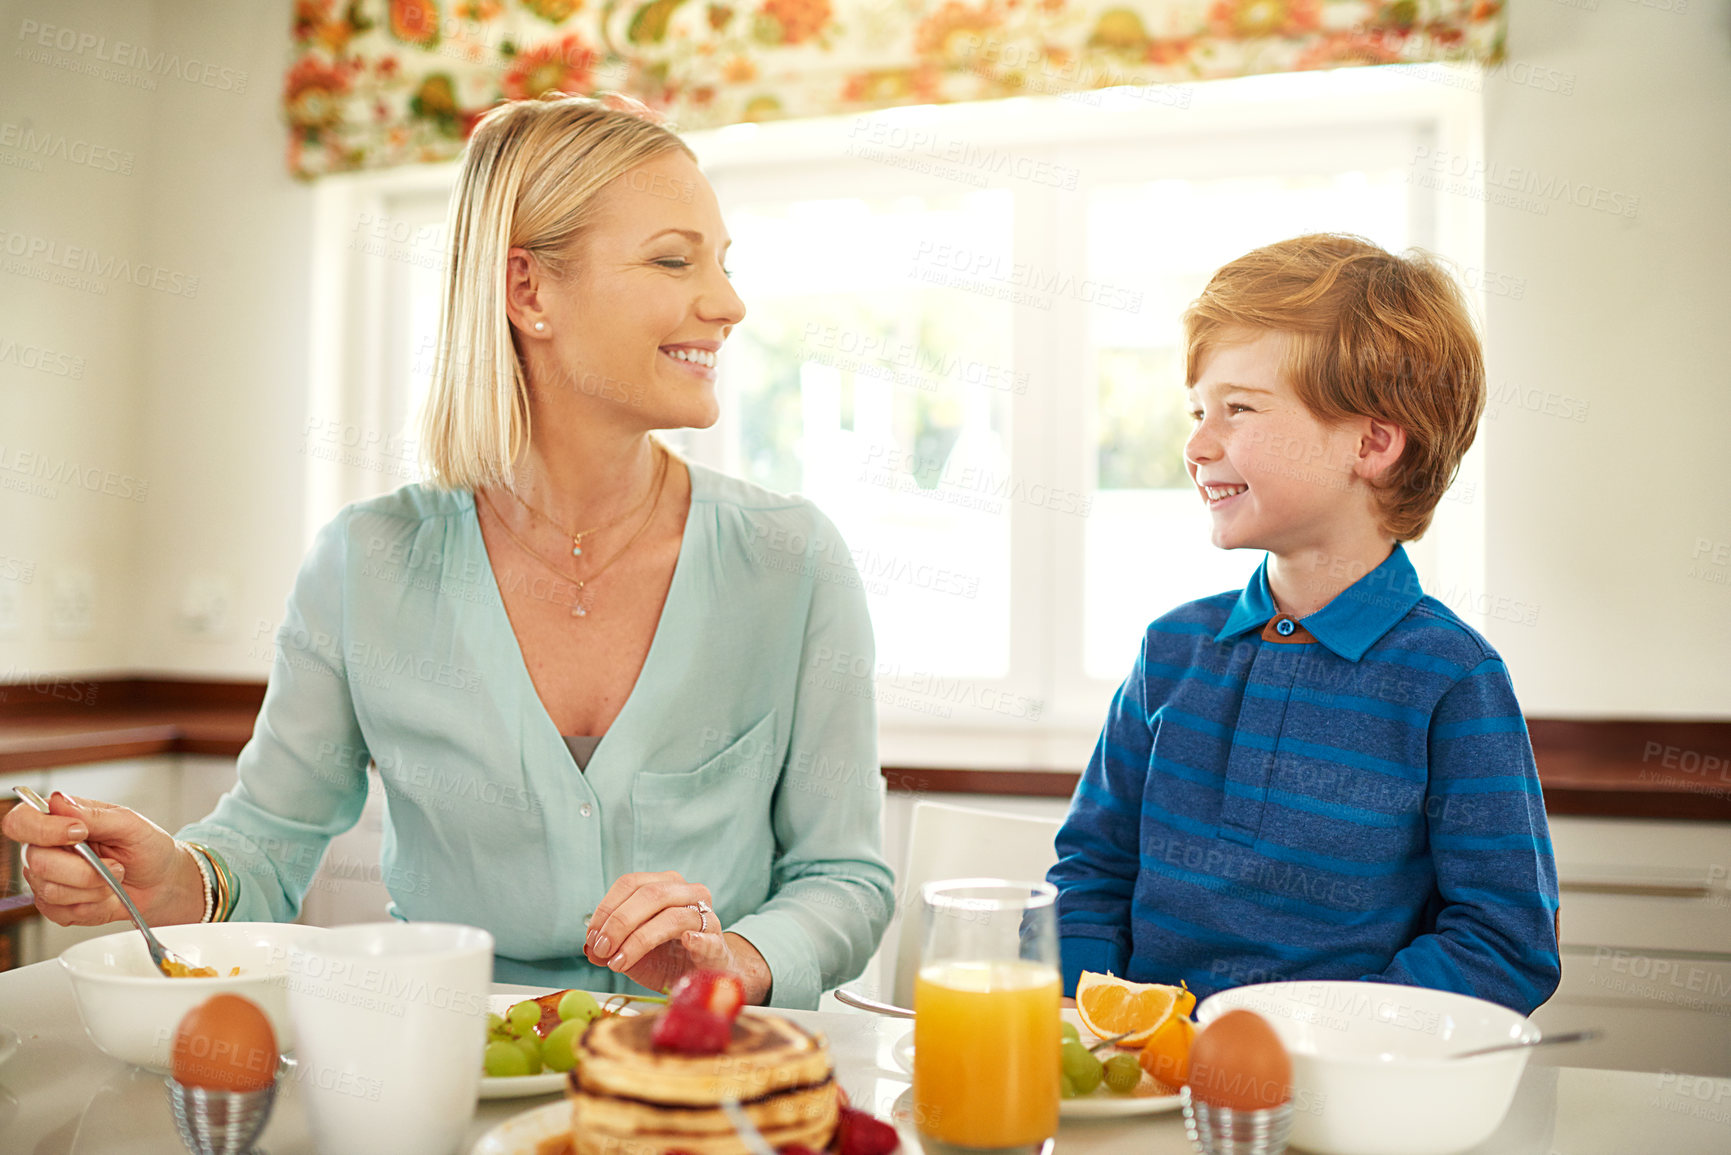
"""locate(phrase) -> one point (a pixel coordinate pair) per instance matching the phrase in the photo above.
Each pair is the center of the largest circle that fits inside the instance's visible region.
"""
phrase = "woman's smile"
(697, 357)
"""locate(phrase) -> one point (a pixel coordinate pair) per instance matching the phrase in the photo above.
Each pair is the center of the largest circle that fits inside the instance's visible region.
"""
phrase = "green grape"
(495, 1024)
(1066, 1088)
(504, 1060)
(559, 1051)
(579, 1006)
(1082, 1068)
(1123, 1073)
(1070, 1031)
(524, 1015)
(530, 1045)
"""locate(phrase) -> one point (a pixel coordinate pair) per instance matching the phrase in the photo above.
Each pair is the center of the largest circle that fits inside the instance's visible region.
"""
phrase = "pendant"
(578, 609)
(576, 546)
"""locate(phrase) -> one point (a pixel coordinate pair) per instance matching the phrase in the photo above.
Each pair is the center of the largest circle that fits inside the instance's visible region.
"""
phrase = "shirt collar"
(1349, 625)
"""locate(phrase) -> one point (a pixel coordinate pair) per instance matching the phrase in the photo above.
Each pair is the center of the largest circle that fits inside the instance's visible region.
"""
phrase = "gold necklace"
(578, 608)
(577, 538)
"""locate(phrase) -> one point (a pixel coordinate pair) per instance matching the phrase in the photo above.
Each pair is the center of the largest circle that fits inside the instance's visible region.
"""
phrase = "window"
(963, 343)
(870, 394)
(1147, 546)
(975, 310)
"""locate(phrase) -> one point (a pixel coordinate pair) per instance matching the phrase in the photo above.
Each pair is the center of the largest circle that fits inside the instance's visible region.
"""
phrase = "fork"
(159, 954)
(1109, 1041)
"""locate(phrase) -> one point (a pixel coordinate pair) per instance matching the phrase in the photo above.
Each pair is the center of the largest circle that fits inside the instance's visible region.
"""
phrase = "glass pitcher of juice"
(986, 1021)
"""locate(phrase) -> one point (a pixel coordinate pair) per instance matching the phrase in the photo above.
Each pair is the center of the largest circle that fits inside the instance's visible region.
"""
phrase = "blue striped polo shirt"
(1349, 796)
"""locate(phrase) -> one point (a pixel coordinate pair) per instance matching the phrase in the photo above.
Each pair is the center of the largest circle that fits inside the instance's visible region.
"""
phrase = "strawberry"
(861, 1134)
(717, 992)
(691, 1030)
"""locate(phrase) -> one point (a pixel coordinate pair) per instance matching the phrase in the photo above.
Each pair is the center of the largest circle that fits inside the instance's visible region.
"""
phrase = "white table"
(59, 1095)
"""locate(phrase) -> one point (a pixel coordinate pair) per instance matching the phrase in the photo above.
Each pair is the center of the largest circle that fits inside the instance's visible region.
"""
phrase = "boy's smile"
(1218, 495)
(1273, 475)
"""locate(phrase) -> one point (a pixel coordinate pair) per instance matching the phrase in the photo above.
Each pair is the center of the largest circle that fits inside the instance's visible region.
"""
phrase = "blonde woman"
(584, 668)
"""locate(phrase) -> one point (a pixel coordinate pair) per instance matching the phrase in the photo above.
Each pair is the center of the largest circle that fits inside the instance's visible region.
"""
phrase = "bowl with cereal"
(130, 1009)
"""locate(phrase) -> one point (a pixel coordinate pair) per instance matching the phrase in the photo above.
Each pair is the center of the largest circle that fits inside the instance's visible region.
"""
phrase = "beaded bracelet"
(226, 893)
(204, 872)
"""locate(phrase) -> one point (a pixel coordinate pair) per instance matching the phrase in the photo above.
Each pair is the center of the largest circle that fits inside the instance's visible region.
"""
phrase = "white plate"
(522, 1134)
(8, 1043)
(522, 1086)
(1102, 1104)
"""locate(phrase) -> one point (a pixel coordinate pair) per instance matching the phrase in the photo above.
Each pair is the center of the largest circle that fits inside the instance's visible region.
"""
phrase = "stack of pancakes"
(628, 1098)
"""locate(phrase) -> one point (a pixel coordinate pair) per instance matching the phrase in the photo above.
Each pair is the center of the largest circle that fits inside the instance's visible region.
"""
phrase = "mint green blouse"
(745, 757)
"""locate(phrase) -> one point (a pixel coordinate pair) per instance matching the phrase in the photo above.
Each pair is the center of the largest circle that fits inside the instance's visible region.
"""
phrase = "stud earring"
(539, 325)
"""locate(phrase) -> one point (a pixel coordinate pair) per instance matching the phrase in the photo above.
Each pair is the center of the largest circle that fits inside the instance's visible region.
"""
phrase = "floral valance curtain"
(377, 83)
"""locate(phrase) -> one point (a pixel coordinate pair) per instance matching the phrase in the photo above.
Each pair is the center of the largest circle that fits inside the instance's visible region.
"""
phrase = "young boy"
(1326, 775)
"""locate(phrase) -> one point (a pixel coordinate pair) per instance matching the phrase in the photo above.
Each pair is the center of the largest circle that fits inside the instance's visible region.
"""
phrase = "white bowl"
(131, 1010)
(1369, 1073)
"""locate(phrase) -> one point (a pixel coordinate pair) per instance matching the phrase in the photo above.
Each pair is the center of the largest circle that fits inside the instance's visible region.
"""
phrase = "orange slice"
(1110, 1006)
(1166, 1054)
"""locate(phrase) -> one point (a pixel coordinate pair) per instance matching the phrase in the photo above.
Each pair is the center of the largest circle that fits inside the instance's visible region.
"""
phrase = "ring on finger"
(703, 910)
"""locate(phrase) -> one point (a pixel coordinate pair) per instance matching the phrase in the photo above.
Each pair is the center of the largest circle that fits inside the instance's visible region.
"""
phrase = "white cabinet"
(173, 790)
(348, 887)
(203, 779)
(1646, 908)
(877, 979)
(1646, 934)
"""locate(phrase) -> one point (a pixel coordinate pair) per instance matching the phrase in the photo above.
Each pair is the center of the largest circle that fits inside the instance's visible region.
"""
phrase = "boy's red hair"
(1372, 335)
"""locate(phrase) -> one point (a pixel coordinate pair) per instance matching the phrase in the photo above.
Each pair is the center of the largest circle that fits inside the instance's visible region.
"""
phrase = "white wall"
(1593, 523)
(225, 383)
(199, 394)
(63, 546)
(1596, 522)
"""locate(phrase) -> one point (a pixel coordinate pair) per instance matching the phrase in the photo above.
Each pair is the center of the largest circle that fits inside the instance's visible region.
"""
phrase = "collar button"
(1285, 627)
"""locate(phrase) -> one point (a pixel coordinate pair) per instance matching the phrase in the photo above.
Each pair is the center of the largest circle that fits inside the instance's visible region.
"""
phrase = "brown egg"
(225, 1044)
(1237, 1062)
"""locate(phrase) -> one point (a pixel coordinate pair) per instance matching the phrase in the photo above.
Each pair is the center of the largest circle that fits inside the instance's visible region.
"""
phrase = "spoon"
(748, 1132)
(1543, 1041)
(159, 954)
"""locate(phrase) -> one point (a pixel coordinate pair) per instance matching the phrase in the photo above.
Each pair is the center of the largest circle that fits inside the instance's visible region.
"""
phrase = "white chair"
(953, 842)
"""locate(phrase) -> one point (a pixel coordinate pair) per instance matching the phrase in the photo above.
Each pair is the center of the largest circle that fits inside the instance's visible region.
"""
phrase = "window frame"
(1218, 128)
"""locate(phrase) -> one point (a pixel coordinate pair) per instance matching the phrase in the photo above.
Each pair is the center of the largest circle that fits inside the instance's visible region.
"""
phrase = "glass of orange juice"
(986, 1022)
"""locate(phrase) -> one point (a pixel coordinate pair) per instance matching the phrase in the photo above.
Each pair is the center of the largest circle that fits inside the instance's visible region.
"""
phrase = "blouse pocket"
(714, 824)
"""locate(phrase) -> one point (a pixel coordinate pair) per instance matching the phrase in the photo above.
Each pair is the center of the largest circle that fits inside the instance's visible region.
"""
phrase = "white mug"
(390, 1019)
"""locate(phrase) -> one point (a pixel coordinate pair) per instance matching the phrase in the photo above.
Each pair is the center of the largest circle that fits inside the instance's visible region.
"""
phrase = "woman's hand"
(162, 880)
(649, 928)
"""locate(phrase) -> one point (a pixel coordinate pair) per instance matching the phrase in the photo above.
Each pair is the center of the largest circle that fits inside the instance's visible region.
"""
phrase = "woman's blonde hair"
(530, 174)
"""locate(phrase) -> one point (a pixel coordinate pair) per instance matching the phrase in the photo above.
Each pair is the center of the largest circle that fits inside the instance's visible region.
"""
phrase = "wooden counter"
(1625, 768)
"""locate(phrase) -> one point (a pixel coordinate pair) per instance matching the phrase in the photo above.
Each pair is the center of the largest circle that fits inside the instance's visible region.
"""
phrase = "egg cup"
(1223, 1131)
(220, 1122)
